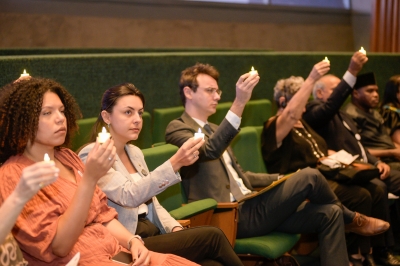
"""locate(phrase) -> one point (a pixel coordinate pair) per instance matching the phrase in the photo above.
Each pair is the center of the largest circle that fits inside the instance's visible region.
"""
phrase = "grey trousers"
(284, 209)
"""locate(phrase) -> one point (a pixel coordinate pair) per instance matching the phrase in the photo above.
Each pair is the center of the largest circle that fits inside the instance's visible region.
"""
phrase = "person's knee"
(311, 175)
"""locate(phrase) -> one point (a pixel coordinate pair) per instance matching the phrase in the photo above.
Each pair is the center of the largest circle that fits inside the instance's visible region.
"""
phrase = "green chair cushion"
(193, 208)
(161, 119)
(82, 136)
(247, 148)
(269, 246)
(256, 113)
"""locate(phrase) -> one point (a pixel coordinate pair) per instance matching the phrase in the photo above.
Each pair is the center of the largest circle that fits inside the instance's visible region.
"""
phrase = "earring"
(108, 125)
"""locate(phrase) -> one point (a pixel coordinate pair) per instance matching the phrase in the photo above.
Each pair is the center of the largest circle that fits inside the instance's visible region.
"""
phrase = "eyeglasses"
(212, 90)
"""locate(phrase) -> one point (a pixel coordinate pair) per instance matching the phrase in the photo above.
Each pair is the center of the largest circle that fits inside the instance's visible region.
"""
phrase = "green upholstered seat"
(256, 112)
(171, 198)
(247, 148)
(161, 119)
(82, 136)
(270, 246)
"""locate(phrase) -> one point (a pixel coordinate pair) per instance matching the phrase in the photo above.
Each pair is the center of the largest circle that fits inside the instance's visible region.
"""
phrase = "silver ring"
(41, 185)
(194, 156)
(109, 158)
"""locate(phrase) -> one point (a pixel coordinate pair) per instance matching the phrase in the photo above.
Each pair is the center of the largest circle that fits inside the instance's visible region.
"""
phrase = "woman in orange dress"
(70, 215)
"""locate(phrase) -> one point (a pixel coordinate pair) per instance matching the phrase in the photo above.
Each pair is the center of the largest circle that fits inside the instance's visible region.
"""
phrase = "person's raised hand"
(100, 159)
(319, 69)
(34, 178)
(245, 86)
(357, 62)
(187, 154)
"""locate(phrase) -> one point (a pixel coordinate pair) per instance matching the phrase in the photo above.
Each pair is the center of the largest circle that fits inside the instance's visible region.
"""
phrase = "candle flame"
(199, 131)
(24, 71)
(252, 68)
(46, 157)
(104, 130)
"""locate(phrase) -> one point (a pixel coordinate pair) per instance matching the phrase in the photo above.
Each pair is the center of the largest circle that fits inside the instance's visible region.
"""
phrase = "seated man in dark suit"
(340, 132)
(218, 175)
(374, 136)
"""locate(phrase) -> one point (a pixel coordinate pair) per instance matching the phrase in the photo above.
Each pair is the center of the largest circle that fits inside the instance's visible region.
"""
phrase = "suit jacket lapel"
(193, 124)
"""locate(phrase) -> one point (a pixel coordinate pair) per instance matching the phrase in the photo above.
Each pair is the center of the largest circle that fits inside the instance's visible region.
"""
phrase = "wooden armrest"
(184, 223)
(227, 205)
(225, 217)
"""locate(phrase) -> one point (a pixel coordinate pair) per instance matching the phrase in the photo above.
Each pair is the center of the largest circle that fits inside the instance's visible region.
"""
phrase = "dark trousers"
(368, 199)
(205, 245)
(284, 209)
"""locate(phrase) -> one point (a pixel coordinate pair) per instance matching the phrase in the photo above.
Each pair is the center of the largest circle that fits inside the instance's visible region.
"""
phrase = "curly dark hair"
(189, 77)
(20, 107)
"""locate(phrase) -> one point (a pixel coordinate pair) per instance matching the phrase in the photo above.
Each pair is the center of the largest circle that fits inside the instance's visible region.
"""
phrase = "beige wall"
(27, 23)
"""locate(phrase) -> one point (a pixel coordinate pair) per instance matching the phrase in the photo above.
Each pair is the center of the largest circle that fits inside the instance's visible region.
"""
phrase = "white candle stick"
(46, 158)
(103, 136)
(326, 60)
(362, 50)
(199, 134)
(24, 74)
(253, 71)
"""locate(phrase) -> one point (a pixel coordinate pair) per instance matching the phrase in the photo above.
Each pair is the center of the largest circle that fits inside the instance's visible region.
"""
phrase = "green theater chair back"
(171, 198)
(82, 136)
(256, 112)
(247, 148)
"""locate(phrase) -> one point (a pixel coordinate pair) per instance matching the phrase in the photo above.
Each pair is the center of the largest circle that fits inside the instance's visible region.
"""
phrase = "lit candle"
(362, 50)
(46, 158)
(253, 71)
(326, 60)
(199, 134)
(103, 136)
(24, 74)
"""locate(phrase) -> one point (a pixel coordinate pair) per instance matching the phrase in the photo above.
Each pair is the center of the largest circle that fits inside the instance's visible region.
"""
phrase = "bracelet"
(130, 240)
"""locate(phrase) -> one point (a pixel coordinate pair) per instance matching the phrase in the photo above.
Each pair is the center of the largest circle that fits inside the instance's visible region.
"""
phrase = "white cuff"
(233, 119)
(350, 79)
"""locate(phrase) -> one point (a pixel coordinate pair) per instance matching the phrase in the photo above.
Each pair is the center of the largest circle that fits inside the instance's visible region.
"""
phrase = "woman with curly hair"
(390, 108)
(70, 215)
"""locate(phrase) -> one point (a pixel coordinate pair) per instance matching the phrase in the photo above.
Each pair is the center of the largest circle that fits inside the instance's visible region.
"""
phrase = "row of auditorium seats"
(153, 131)
(251, 250)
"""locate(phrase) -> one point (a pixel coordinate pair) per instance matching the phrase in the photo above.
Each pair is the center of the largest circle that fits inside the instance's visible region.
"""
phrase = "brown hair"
(109, 100)
(189, 77)
(20, 107)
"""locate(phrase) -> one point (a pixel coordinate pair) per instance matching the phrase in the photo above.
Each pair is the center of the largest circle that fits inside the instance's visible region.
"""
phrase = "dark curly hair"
(189, 77)
(109, 100)
(20, 107)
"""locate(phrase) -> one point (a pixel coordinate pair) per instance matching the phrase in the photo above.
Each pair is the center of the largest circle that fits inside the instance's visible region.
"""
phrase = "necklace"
(314, 145)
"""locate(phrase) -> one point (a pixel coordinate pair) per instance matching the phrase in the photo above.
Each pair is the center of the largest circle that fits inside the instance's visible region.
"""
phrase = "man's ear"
(106, 116)
(319, 94)
(188, 92)
(355, 94)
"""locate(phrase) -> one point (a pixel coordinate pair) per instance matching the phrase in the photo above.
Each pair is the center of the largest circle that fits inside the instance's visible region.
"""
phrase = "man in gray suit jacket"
(217, 174)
